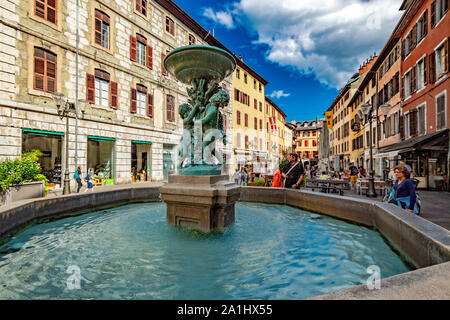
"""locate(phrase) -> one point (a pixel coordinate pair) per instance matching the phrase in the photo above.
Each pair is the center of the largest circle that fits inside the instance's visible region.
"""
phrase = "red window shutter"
(133, 48)
(246, 120)
(260, 124)
(39, 71)
(51, 11)
(238, 119)
(256, 124)
(432, 67)
(149, 56)
(133, 104)
(40, 8)
(51, 75)
(114, 94)
(98, 28)
(256, 104)
(90, 88)
(163, 69)
(150, 105)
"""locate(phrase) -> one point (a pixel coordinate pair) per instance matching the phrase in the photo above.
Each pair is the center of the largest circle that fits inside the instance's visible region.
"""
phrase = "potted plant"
(257, 183)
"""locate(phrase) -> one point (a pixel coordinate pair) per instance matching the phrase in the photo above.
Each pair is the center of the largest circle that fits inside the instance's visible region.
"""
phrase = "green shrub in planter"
(259, 182)
(22, 170)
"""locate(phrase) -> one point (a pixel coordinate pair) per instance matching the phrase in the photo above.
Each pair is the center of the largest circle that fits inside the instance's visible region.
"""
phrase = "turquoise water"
(130, 252)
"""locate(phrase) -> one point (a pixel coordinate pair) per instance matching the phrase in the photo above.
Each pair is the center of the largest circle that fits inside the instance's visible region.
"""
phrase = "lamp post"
(64, 108)
(367, 112)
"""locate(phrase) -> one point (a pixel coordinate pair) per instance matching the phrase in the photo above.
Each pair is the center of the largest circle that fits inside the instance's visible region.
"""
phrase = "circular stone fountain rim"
(207, 47)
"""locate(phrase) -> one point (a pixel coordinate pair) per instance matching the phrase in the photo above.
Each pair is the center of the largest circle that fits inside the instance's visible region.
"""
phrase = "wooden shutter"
(133, 102)
(39, 68)
(50, 72)
(413, 38)
(98, 28)
(425, 24)
(163, 69)
(402, 95)
(238, 117)
(150, 105)
(401, 127)
(425, 71)
(446, 56)
(433, 14)
(149, 56)
(256, 104)
(51, 11)
(432, 67)
(114, 94)
(133, 48)
(403, 49)
(413, 79)
(90, 88)
(413, 123)
(255, 122)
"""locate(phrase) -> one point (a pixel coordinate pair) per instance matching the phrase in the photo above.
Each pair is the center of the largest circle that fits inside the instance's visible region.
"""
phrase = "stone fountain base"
(204, 203)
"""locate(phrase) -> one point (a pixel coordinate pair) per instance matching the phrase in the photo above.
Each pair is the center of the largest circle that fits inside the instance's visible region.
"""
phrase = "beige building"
(129, 119)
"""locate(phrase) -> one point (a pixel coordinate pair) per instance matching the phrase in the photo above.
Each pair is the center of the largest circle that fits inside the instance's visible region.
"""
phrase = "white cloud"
(327, 39)
(222, 17)
(279, 94)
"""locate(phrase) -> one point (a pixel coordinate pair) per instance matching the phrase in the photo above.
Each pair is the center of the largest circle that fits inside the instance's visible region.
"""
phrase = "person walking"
(242, 176)
(236, 176)
(403, 193)
(293, 172)
(90, 180)
(77, 177)
(353, 175)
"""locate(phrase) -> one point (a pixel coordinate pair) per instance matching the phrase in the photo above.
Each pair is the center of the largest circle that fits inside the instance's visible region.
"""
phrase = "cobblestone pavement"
(435, 205)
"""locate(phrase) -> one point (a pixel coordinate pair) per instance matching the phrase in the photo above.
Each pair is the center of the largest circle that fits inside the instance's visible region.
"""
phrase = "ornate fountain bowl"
(199, 62)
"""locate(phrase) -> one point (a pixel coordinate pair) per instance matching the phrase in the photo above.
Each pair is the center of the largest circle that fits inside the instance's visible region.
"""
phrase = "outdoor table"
(331, 184)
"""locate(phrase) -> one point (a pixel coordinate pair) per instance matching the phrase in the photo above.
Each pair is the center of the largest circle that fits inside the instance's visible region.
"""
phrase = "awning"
(140, 142)
(42, 132)
(100, 138)
(416, 143)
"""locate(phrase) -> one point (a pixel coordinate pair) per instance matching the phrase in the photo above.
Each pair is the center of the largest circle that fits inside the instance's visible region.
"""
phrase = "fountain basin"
(199, 62)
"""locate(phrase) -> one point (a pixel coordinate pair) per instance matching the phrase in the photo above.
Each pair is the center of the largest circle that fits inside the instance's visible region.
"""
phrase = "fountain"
(199, 197)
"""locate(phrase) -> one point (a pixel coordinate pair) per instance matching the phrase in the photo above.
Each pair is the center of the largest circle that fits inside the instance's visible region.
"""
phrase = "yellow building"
(307, 141)
(275, 125)
(249, 118)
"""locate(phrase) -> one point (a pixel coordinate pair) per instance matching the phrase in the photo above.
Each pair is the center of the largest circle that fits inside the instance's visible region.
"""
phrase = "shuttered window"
(191, 40)
(102, 22)
(163, 69)
(150, 105)
(440, 112)
(44, 70)
(141, 6)
(238, 117)
(102, 87)
(170, 108)
(246, 120)
(46, 9)
(170, 26)
(141, 100)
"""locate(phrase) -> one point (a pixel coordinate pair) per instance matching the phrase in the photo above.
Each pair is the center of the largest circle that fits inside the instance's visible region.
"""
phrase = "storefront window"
(50, 144)
(140, 161)
(100, 157)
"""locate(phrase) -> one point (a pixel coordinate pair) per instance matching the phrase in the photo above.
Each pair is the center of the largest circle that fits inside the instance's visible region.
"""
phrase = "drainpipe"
(76, 86)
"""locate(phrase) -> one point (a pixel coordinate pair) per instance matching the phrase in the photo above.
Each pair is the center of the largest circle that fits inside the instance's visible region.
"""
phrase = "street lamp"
(366, 111)
(64, 108)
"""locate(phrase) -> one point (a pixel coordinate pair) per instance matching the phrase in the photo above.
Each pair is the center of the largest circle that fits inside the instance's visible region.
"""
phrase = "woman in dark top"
(403, 192)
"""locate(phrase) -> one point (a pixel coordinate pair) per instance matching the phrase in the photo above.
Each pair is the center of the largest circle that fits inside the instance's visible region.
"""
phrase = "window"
(442, 60)
(141, 49)
(407, 119)
(388, 127)
(238, 140)
(396, 122)
(407, 84)
(170, 108)
(260, 124)
(102, 29)
(238, 117)
(245, 78)
(44, 70)
(170, 26)
(246, 120)
(255, 104)
(256, 123)
(141, 6)
(46, 9)
(141, 100)
(260, 88)
(238, 73)
(191, 40)
(422, 26)
(421, 74)
(438, 10)
(101, 88)
(246, 142)
(254, 84)
(260, 107)
(421, 128)
(440, 111)
(306, 143)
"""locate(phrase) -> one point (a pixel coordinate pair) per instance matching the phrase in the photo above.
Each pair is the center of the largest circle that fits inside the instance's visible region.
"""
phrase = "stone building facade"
(127, 103)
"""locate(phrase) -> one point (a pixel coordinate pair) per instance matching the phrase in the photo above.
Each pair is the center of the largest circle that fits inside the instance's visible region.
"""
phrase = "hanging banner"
(329, 118)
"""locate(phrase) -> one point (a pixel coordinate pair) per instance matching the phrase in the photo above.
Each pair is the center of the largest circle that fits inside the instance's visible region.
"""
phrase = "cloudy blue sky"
(305, 49)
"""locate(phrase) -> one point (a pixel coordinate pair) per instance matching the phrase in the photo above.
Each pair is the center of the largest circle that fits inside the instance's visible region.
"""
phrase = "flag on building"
(329, 118)
(273, 123)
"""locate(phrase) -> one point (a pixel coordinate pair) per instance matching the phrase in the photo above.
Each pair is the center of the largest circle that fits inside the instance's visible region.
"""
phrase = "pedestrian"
(362, 172)
(247, 176)
(236, 176)
(277, 181)
(242, 176)
(403, 193)
(293, 172)
(77, 177)
(403, 164)
(353, 175)
(90, 179)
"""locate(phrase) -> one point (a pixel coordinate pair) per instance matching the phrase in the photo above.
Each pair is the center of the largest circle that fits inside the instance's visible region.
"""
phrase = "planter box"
(23, 191)
(255, 185)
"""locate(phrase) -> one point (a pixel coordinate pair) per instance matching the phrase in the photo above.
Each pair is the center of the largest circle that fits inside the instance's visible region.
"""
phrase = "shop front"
(101, 158)
(168, 162)
(427, 156)
(50, 144)
(140, 161)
